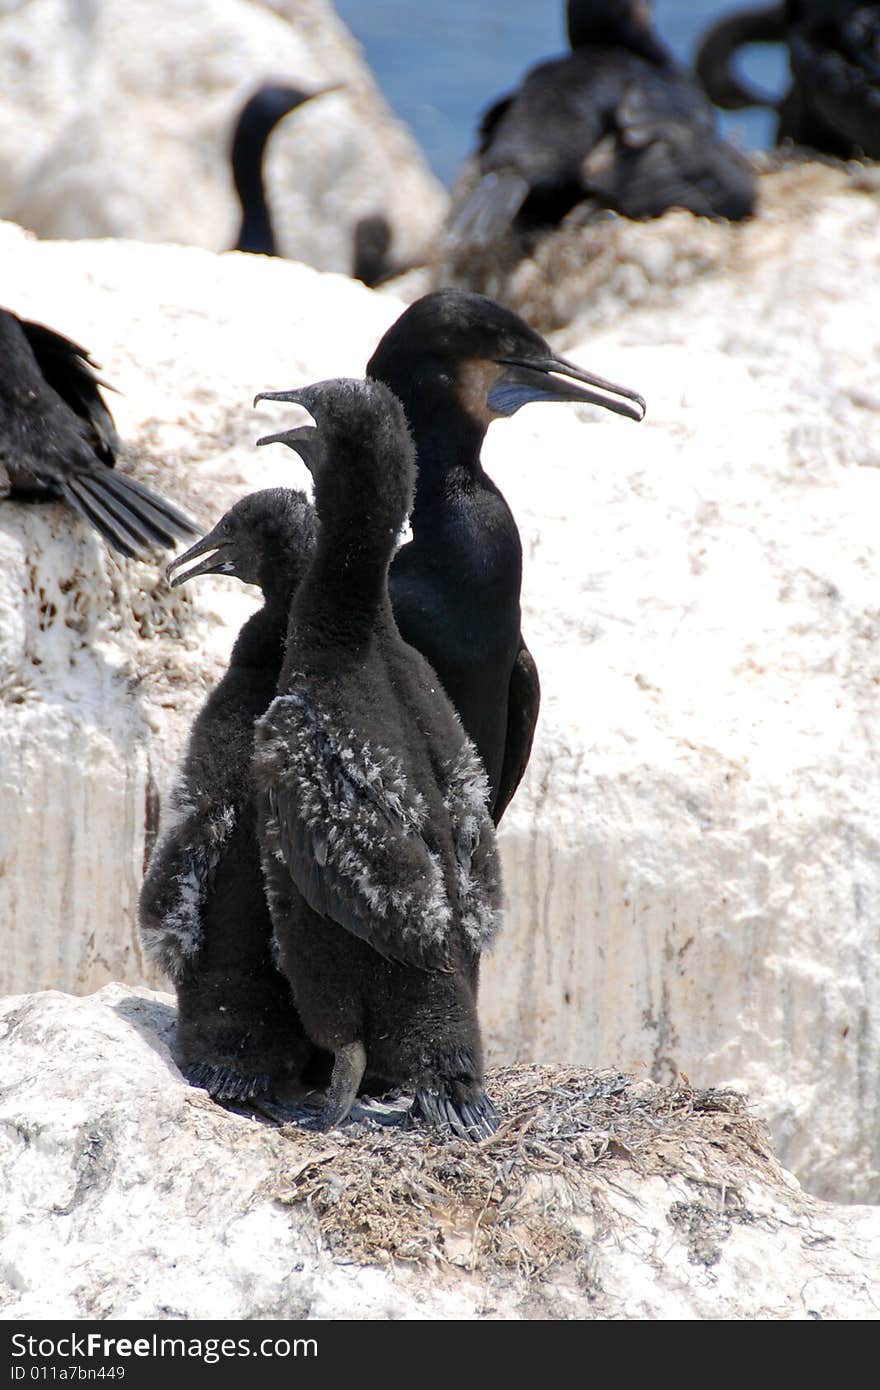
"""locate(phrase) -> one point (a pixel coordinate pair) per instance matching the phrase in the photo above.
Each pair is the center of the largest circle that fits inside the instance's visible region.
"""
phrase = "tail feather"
(127, 489)
(132, 523)
(130, 517)
(100, 518)
(489, 210)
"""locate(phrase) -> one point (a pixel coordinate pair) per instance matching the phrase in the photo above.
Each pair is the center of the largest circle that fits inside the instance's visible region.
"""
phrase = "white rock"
(128, 1194)
(706, 894)
(692, 864)
(121, 127)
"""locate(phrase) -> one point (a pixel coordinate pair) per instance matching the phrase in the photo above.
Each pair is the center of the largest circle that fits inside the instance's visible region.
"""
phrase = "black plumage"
(713, 62)
(457, 361)
(203, 914)
(58, 440)
(371, 260)
(378, 849)
(617, 124)
(256, 121)
(832, 104)
(371, 243)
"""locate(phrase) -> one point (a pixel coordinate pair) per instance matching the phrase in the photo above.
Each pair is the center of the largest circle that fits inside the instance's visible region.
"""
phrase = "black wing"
(466, 798)
(665, 153)
(70, 371)
(490, 119)
(523, 703)
(179, 881)
(337, 811)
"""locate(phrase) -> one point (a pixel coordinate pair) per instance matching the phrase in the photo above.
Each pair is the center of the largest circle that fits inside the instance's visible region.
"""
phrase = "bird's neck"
(616, 32)
(256, 232)
(346, 585)
(449, 464)
(260, 643)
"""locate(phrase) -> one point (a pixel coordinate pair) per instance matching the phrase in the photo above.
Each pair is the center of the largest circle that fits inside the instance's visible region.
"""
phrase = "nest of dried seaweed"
(529, 1198)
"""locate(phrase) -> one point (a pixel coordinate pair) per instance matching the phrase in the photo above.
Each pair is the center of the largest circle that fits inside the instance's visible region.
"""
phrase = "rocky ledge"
(128, 1194)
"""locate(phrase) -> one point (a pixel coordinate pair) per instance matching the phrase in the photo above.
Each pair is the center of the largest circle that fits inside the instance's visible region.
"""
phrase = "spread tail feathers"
(130, 517)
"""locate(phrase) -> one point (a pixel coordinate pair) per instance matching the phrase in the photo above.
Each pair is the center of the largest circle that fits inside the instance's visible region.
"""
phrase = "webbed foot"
(469, 1114)
(226, 1083)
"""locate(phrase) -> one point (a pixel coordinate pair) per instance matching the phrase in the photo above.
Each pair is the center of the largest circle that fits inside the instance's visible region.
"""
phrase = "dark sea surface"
(441, 65)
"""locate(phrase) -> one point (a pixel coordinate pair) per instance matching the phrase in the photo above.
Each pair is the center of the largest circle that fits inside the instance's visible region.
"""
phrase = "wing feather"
(524, 701)
(337, 812)
(179, 882)
(479, 877)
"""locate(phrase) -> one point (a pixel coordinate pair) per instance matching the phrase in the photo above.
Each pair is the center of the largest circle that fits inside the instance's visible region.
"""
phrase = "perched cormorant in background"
(258, 118)
(203, 914)
(58, 440)
(378, 850)
(457, 361)
(617, 124)
(833, 103)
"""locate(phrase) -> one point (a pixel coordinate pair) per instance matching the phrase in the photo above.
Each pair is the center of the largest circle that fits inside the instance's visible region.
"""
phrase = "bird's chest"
(457, 600)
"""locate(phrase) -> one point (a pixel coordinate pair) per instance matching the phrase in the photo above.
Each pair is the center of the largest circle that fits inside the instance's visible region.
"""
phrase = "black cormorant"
(833, 102)
(203, 914)
(58, 440)
(457, 361)
(616, 124)
(378, 850)
(258, 118)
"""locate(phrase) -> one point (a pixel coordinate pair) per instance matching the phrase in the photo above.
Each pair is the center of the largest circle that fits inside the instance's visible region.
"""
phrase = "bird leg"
(349, 1066)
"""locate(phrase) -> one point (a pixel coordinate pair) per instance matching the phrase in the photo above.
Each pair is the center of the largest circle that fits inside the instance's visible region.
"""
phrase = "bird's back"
(40, 433)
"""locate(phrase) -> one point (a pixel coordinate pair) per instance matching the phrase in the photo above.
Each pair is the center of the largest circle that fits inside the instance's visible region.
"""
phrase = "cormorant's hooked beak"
(214, 563)
(303, 439)
(529, 379)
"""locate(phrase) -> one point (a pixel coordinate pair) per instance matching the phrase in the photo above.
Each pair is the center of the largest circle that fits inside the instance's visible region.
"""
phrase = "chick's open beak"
(214, 563)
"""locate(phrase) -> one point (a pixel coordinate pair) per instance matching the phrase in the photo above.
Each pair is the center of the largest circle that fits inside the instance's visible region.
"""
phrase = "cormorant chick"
(617, 124)
(833, 103)
(203, 913)
(378, 851)
(58, 440)
(257, 119)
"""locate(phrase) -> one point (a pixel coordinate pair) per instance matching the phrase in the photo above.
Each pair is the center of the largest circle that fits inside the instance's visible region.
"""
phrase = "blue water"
(439, 68)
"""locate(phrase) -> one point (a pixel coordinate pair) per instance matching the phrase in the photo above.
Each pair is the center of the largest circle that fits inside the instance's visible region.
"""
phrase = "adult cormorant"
(378, 850)
(457, 361)
(259, 116)
(58, 440)
(616, 124)
(257, 119)
(203, 915)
